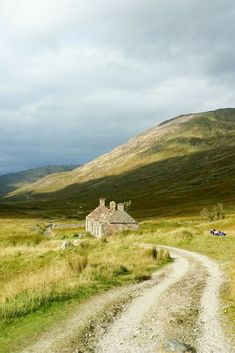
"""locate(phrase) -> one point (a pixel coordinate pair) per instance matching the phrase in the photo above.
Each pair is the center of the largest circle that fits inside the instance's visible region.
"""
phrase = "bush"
(154, 252)
(104, 240)
(159, 254)
(214, 213)
(163, 254)
(127, 205)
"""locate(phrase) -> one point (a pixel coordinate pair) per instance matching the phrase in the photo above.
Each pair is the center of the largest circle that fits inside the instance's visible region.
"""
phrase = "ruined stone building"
(107, 220)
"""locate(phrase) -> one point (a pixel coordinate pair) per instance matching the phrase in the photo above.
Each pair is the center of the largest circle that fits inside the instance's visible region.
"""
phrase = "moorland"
(177, 176)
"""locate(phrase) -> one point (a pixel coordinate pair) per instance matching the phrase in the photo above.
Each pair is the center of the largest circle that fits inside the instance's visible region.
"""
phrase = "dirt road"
(176, 311)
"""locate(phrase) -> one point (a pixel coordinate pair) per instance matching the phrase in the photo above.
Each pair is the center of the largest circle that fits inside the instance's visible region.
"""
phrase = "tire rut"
(180, 303)
(81, 331)
(148, 321)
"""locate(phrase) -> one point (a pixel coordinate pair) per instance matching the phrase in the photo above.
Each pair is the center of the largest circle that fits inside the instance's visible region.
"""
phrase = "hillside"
(13, 181)
(176, 167)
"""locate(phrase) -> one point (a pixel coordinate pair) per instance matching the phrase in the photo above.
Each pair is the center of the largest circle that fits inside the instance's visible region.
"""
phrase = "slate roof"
(121, 217)
(98, 213)
(104, 214)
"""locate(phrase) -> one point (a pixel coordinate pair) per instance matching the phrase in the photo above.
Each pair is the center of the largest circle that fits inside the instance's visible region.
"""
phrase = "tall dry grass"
(33, 276)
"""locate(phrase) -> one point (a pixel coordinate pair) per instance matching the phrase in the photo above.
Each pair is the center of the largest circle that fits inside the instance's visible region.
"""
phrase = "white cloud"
(30, 19)
(79, 77)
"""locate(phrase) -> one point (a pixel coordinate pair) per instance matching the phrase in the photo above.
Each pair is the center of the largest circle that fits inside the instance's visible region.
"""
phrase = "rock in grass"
(47, 233)
(66, 244)
(172, 346)
(76, 242)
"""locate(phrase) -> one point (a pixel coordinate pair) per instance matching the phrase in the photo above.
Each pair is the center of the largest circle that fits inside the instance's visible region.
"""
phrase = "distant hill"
(13, 181)
(177, 167)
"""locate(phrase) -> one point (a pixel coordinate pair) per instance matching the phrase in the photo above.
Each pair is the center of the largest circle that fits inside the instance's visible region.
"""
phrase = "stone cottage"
(108, 220)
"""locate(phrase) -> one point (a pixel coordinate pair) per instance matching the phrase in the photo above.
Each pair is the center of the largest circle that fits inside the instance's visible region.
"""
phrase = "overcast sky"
(79, 77)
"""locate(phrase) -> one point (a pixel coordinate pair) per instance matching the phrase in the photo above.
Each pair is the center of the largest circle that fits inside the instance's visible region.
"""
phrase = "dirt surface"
(177, 309)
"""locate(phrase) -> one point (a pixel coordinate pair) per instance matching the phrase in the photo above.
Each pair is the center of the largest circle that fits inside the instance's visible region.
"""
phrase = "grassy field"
(41, 283)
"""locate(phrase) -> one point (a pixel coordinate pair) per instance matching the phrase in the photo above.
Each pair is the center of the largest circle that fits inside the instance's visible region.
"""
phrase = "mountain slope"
(177, 166)
(12, 181)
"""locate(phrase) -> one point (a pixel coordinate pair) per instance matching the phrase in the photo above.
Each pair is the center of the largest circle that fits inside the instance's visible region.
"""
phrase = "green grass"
(40, 281)
(42, 284)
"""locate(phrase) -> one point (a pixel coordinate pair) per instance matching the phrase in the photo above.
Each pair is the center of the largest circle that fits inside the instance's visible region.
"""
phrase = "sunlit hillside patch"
(176, 163)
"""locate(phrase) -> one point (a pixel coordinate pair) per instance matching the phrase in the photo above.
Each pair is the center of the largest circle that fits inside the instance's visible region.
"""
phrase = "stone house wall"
(109, 229)
(106, 221)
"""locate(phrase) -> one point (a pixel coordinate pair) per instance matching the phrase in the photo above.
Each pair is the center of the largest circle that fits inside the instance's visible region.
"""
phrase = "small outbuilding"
(108, 220)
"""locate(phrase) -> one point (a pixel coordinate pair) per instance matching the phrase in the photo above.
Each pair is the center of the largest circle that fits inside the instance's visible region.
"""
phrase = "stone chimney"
(102, 202)
(112, 205)
(120, 206)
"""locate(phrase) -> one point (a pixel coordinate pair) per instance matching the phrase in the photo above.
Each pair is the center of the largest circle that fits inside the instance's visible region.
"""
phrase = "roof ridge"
(105, 214)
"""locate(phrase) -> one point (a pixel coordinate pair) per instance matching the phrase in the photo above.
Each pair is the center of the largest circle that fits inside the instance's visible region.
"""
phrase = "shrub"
(104, 240)
(163, 254)
(159, 254)
(127, 205)
(214, 213)
(154, 252)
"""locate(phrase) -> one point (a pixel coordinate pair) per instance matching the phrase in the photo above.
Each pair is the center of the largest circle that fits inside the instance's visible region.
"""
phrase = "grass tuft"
(77, 264)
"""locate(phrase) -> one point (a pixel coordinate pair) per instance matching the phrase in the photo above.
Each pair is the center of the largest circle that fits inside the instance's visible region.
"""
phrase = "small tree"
(220, 211)
(154, 252)
(127, 205)
(205, 214)
(215, 213)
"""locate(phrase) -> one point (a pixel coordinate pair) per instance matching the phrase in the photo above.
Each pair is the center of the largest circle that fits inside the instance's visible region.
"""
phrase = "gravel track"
(212, 338)
(146, 325)
(180, 303)
(122, 335)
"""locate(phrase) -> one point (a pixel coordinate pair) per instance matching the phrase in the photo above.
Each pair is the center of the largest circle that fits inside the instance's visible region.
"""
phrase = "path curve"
(181, 302)
(119, 338)
(123, 335)
(212, 339)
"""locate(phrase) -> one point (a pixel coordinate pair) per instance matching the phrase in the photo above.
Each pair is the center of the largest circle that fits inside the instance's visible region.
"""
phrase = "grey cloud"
(79, 78)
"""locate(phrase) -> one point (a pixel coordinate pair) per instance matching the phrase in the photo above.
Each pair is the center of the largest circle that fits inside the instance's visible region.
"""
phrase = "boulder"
(66, 244)
(76, 242)
(48, 232)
